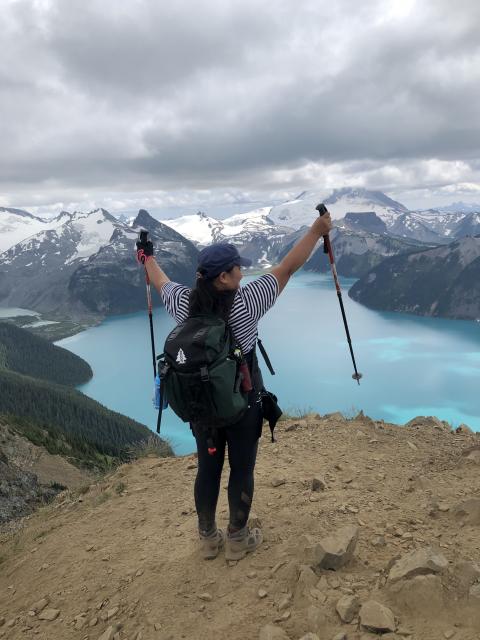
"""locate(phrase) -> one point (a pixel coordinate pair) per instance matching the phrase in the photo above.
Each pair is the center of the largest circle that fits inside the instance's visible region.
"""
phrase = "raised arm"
(157, 276)
(299, 254)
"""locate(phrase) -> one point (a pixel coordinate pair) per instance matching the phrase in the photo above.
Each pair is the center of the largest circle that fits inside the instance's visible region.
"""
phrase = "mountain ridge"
(87, 265)
(83, 261)
(442, 281)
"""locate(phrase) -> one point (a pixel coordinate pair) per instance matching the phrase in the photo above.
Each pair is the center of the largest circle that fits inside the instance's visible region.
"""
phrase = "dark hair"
(206, 298)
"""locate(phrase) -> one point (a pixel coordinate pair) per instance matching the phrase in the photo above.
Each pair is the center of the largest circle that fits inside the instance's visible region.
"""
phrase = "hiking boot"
(212, 543)
(239, 543)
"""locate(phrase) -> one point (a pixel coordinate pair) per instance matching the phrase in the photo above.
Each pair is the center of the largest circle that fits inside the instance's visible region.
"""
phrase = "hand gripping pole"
(144, 238)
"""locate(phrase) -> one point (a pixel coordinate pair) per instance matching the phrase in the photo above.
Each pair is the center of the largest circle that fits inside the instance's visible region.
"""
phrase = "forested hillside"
(84, 421)
(25, 353)
(38, 398)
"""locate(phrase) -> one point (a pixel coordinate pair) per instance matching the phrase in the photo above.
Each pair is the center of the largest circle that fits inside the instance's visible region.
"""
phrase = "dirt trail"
(121, 562)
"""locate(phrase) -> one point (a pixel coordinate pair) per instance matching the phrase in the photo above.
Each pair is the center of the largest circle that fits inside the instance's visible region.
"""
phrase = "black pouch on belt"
(271, 410)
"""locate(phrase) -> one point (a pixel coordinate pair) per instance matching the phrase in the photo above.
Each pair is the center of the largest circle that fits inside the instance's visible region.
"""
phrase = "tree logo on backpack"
(181, 358)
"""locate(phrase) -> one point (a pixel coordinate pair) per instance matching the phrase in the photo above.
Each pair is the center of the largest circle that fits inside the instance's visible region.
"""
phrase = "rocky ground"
(369, 528)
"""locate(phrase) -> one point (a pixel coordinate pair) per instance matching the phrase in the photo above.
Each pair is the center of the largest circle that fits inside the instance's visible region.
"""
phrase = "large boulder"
(419, 596)
(333, 551)
(428, 421)
(416, 563)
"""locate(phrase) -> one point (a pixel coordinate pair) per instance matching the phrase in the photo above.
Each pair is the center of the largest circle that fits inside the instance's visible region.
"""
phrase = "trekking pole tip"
(357, 377)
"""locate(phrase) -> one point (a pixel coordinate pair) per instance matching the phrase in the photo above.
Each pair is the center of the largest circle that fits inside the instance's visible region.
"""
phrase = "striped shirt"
(249, 305)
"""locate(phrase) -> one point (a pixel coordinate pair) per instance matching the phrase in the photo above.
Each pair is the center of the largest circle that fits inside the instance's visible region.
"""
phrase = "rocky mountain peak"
(144, 219)
(364, 196)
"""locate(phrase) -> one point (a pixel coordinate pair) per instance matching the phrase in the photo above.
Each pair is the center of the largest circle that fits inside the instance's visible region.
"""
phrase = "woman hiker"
(218, 291)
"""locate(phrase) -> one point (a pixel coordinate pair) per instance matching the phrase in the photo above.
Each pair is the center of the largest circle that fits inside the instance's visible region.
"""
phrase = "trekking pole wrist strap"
(265, 357)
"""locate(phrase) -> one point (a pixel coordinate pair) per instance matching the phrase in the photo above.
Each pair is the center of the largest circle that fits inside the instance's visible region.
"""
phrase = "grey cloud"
(147, 94)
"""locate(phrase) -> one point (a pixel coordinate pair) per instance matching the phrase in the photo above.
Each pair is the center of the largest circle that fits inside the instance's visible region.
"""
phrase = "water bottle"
(156, 393)
(246, 384)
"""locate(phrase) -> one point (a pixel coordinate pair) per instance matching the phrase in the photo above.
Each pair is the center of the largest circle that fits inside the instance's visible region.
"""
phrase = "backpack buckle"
(163, 370)
(204, 377)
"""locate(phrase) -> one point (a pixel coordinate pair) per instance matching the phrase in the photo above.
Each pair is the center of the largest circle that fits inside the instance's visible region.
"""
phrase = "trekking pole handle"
(143, 236)
(322, 210)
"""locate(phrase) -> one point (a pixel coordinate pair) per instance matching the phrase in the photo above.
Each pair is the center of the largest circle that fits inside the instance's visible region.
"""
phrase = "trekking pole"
(327, 248)
(143, 237)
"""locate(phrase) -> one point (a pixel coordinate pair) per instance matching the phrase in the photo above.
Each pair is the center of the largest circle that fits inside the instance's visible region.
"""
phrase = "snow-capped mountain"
(255, 235)
(86, 265)
(202, 229)
(440, 222)
(199, 228)
(70, 237)
(468, 225)
(460, 207)
(301, 211)
(83, 261)
(15, 225)
(364, 208)
(433, 225)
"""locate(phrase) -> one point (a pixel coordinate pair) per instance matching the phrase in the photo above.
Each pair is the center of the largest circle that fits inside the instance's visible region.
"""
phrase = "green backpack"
(201, 372)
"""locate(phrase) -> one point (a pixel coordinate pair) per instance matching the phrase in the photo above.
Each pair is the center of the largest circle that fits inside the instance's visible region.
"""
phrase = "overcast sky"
(185, 104)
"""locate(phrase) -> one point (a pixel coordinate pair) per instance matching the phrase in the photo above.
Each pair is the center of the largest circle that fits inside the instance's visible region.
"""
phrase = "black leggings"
(242, 439)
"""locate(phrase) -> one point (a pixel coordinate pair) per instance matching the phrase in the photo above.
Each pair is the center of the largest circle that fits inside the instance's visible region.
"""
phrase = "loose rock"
(463, 428)
(347, 608)
(315, 617)
(49, 614)
(472, 454)
(272, 632)
(107, 634)
(418, 595)
(334, 551)
(418, 562)
(475, 591)
(468, 512)
(39, 605)
(318, 484)
(206, 597)
(467, 573)
(376, 617)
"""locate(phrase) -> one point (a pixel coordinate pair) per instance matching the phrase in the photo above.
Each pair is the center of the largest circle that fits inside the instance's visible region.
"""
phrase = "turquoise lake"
(411, 366)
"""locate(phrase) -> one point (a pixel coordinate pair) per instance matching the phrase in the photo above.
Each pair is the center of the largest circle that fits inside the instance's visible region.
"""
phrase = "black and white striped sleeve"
(175, 298)
(260, 295)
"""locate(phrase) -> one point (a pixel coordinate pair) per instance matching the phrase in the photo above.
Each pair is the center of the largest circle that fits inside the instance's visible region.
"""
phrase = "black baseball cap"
(218, 257)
